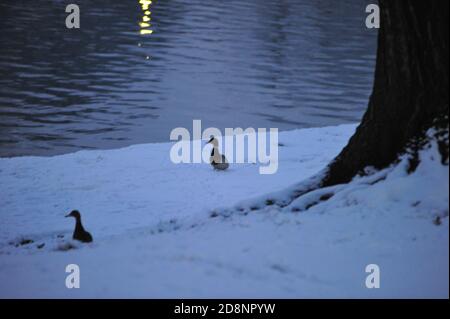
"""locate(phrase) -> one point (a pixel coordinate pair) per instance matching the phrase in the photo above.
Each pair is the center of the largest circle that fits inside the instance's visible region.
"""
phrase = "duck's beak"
(68, 215)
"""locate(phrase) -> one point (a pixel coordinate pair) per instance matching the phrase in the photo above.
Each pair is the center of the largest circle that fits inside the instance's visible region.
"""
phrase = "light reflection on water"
(236, 63)
(145, 24)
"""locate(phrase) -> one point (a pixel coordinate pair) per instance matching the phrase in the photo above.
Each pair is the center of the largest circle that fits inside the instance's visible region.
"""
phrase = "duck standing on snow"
(79, 232)
(217, 160)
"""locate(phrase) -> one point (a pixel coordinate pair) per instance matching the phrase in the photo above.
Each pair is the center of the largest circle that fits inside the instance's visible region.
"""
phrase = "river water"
(135, 70)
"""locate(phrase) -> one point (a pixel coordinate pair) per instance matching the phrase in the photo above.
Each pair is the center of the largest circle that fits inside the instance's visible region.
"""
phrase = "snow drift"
(159, 230)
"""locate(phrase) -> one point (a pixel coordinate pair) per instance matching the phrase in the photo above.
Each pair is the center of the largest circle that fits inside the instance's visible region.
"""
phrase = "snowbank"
(154, 235)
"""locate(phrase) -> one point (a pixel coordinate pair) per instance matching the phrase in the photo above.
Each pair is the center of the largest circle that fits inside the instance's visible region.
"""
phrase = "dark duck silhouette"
(217, 160)
(79, 232)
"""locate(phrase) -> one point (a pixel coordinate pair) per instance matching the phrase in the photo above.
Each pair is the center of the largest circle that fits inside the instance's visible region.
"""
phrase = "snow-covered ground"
(155, 236)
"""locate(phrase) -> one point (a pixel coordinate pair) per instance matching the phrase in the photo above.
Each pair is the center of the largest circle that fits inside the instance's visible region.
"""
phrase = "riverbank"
(154, 236)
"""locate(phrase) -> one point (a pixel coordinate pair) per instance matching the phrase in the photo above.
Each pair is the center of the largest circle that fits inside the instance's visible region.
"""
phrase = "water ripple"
(290, 64)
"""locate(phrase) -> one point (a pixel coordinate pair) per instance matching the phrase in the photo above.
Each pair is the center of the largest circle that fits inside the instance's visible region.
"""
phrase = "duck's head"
(213, 141)
(74, 213)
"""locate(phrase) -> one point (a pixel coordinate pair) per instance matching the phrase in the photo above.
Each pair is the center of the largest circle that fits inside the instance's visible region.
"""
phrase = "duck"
(79, 233)
(217, 160)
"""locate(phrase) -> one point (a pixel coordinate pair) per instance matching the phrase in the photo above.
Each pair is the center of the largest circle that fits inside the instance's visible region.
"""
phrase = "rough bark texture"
(410, 88)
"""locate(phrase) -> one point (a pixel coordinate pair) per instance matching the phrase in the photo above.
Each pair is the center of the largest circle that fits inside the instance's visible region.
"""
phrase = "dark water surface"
(247, 63)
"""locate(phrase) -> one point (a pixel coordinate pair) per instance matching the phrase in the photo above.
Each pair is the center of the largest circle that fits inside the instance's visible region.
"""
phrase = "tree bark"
(410, 87)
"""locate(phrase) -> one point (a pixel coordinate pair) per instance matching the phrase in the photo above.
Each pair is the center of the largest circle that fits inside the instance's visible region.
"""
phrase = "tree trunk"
(410, 88)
